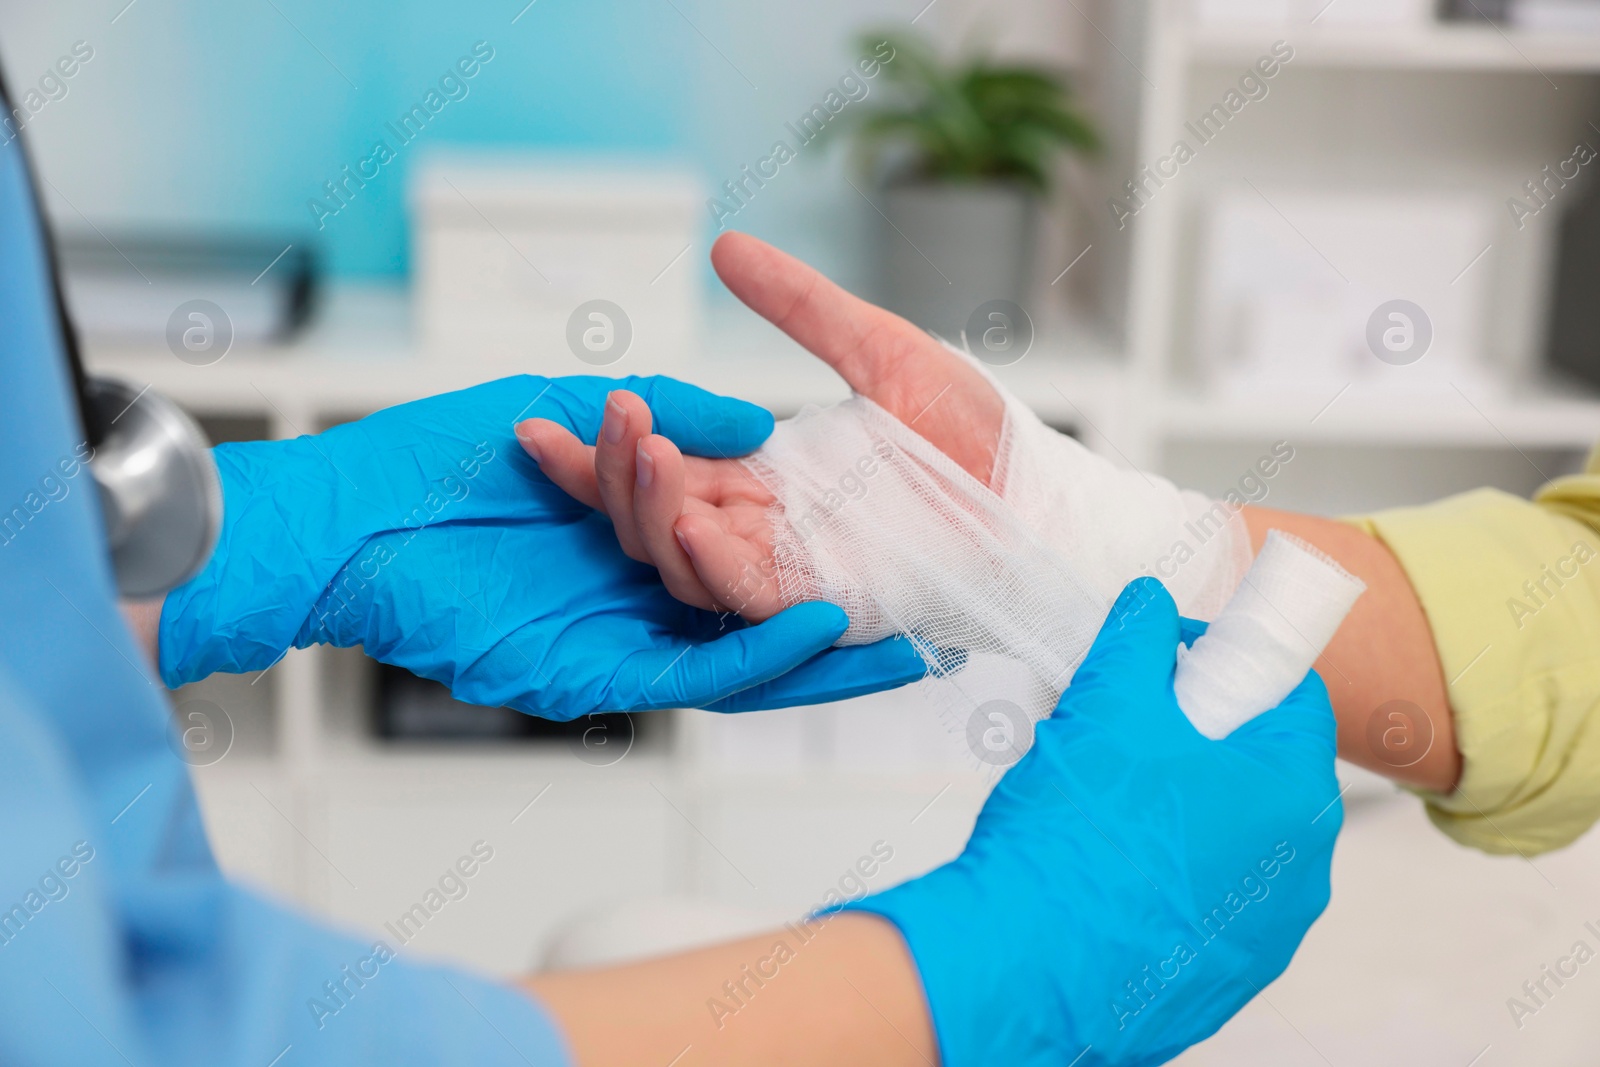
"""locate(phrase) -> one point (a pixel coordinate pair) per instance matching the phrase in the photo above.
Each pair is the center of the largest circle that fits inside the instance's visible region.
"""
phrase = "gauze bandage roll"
(1280, 619)
(874, 518)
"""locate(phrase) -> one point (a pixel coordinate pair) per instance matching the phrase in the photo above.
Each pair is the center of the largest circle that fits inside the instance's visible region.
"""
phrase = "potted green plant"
(963, 151)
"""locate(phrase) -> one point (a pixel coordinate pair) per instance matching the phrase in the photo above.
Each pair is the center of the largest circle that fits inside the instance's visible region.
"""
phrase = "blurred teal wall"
(197, 114)
(231, 114)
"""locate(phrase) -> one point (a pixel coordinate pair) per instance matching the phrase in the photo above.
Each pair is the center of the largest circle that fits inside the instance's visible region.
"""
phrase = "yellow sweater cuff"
(1512, 592)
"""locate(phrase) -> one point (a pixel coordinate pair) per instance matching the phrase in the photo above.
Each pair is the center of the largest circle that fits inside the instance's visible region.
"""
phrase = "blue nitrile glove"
(548, 616)
(1129, 885)
(303, 517)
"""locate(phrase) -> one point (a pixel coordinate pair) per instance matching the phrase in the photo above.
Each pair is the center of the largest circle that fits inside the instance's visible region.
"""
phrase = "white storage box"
(1556, 16)
(1296, 14)
(556, 269)
(1291, 291)
(1234, 13)
(1370, 14)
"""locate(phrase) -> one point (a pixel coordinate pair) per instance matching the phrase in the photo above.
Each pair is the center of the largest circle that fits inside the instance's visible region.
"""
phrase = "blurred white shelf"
(1435, 47)
(501, 763)
(1538, 418)
(360, 356)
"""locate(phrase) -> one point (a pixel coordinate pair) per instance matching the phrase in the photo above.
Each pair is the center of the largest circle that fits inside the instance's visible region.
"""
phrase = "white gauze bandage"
(872, 517)
(1280, 619)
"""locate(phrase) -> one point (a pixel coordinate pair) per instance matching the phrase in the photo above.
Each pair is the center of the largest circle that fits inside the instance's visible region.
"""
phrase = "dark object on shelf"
(129, 287)
(1574, 339)
(408, 708)
(1474, 10)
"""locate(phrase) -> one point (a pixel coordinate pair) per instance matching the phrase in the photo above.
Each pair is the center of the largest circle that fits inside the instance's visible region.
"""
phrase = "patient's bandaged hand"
(872, 517)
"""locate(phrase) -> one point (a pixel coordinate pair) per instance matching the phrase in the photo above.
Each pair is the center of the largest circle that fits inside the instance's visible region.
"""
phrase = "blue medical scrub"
(120, 941)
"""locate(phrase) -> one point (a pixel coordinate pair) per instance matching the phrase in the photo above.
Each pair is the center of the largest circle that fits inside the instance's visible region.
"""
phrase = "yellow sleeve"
(1511, 589)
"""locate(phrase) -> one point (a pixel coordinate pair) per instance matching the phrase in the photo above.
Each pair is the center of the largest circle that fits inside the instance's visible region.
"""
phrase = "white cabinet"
(527, 265)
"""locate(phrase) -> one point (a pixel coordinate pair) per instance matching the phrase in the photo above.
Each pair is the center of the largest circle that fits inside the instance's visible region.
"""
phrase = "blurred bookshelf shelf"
(1380, 118)
(360, 356)
(1540, 417)
(506, 763)
(1437, 47)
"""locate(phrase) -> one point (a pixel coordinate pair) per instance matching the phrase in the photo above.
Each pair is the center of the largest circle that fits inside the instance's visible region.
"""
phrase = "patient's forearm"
(849, 995)
(1383, 652)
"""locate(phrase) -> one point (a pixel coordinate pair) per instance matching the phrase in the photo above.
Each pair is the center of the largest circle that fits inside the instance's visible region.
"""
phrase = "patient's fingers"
(626, 420)
(730, 567)
(881, 355)
(864, 343)
(569, 463)
(657, 504)
(562, 458)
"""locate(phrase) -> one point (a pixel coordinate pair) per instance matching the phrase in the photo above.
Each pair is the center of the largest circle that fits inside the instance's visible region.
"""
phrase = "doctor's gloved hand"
(548, 616)
(383, 530)
(1129, 884)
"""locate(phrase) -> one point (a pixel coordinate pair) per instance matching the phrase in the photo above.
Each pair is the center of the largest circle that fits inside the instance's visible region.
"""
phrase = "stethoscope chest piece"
(158, 487)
